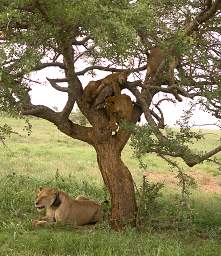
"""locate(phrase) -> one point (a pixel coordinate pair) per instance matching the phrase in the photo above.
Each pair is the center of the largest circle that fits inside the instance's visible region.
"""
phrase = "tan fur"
(77, 212)
(119, 108)
(93, 89)
(160, 70)
(157, 58)
(82, 198)
(114, 80)
(2, 35)
(90, 91)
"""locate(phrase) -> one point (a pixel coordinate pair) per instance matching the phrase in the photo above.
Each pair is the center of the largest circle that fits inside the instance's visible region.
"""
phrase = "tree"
(111, 35)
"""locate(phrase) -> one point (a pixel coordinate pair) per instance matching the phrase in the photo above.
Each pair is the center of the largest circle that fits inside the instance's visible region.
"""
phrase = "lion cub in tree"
(61, 208)
(161, 68)
(119, 108)
(157, 58)
(111, 84)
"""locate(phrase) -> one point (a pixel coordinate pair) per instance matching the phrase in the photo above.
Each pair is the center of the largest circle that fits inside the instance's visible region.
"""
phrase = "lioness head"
(45, 198)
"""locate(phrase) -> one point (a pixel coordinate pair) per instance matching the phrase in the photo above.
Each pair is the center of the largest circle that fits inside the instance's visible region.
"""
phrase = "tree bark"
(119, 182)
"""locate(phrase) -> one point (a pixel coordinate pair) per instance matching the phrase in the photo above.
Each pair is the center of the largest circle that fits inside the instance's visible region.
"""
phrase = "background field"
(48, 157)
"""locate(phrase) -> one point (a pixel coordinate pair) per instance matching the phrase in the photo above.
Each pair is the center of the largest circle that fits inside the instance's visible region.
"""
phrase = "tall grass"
(48, 158)
(17, 237)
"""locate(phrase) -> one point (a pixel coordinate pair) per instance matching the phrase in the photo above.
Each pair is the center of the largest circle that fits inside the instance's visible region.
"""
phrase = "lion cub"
(61, 208)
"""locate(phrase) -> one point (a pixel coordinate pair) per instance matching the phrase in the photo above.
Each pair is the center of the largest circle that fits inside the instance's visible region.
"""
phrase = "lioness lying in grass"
(61, 208)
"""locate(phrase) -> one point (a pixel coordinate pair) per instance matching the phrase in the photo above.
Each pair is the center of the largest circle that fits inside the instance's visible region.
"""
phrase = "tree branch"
(173, 88)
(67, 127)
(43, 11)
(75, 89)
(184, 154)
(82, 72)
(49, 64)
(42, 112)
(144, 104)
(81, 42)
(195, 159)
(190, 27)
(57, 87)
(90, 49)
(160, 119)
(64, 125)
(203, 17)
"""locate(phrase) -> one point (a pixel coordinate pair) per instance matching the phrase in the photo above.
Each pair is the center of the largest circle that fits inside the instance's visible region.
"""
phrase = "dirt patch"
(205, 182)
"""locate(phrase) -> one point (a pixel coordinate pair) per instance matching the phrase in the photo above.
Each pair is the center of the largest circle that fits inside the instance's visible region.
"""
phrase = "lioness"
(61, 208)
(90, 91)
(118, 108)
(114, 80)
(109, 85)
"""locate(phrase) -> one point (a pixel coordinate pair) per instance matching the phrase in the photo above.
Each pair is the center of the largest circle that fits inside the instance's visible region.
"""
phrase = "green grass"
(50, 158)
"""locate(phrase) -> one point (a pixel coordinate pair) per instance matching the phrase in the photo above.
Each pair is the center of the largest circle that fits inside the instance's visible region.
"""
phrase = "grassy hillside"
(47, 150)
(50, 158)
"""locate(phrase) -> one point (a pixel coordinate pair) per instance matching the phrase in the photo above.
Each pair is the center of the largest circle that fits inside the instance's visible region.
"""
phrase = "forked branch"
(74, 85)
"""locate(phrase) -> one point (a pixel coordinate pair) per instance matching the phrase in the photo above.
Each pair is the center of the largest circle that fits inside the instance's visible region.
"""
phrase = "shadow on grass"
(201, 236)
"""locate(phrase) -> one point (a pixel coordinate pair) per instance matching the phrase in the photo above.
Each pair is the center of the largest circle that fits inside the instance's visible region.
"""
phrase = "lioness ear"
(40, 188)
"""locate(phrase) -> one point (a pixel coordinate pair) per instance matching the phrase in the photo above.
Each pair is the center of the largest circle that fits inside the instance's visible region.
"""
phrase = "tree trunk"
(119, 182)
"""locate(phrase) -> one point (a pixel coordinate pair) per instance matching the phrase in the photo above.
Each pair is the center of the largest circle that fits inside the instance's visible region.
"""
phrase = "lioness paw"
(37, 223)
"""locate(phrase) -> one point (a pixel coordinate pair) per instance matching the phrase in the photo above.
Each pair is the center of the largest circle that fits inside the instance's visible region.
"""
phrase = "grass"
(50, 158)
